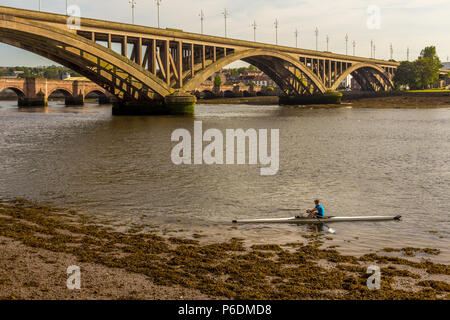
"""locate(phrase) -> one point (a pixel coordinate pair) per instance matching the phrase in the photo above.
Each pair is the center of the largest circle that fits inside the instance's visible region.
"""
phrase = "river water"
(357, 161)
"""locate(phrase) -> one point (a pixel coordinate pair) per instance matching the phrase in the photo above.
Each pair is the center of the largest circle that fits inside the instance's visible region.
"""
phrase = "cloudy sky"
(413, 23)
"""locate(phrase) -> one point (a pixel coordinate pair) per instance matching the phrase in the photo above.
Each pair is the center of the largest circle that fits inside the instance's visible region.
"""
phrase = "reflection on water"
(357, 161)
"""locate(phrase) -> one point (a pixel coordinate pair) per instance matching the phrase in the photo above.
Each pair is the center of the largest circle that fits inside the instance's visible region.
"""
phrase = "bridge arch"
(95, 92)
(362, 70)
(268, 61)
(17, 91)
(64, 91)
(123, 78)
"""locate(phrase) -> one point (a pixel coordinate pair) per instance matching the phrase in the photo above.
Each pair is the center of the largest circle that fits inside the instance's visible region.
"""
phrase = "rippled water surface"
(358, 161)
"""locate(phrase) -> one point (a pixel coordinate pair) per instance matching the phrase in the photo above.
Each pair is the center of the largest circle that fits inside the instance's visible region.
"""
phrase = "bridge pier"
(75, 101)
(178, 103)
(32, 102)
(104, 100)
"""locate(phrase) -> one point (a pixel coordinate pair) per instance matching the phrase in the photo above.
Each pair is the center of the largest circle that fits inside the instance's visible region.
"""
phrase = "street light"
(407, 54)
(296, 38)
(254, 30)
(276, 31)
(328, 41)
(374, 51)
(158, 3)
(354, 45)
(39, 5)
(391, 49)
(346, 44)
(133, 4)
(225, 15)
(67, 8)
(317, 36)
(371, 48)
(202, 17)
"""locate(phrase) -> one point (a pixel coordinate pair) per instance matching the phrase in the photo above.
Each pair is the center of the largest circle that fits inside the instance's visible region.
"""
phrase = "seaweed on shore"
(226, 269)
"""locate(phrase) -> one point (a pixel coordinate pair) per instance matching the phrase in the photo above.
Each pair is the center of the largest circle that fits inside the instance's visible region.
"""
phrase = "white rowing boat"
(318, 220)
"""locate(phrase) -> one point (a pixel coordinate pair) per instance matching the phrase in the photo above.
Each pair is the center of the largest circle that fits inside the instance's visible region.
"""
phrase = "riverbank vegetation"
(47, 72)
(421, 73)
(307, 269)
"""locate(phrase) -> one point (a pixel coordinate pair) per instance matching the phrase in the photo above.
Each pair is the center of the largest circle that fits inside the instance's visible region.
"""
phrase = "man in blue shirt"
(317, 212)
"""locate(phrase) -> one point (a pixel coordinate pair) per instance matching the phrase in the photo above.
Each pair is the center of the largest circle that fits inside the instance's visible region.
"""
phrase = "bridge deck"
(139, 31)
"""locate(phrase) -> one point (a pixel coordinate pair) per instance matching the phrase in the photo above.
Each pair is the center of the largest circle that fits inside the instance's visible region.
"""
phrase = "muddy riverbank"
(38, 242)
(413, 100)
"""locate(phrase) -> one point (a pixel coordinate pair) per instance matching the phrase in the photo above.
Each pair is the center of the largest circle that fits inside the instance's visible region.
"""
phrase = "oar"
(327, 228)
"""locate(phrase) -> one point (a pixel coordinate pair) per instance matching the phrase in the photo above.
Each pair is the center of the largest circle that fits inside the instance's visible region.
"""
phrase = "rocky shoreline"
(38, 242)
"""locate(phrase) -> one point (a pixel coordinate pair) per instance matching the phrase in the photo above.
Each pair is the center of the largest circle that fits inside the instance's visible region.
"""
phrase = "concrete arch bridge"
(150, 69)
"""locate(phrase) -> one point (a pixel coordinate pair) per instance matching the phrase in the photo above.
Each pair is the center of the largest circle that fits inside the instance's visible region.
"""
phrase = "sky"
(404, 23)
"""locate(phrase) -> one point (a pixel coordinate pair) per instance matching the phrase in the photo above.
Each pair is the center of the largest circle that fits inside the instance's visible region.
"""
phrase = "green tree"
(52, 73)
(406, 75)
(234, 72)
(217, 81)
(428, 66)
(420, 74)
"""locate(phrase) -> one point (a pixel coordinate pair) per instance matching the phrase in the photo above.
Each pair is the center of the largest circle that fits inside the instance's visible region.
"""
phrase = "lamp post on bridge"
(276, 31)
(407, 54)
(67, 7)
(354, 46)
(225, 15)
(133, 4)
(346, 44)
(39, 5)
(296, 38)
(202, 17)
(328, 41)
(374, 51)
(158, 4)
(391, 51)
(317, 37)
(254, 30)
(371, 48)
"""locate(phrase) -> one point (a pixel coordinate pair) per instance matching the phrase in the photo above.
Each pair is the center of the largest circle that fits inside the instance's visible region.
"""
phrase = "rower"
(317, 212)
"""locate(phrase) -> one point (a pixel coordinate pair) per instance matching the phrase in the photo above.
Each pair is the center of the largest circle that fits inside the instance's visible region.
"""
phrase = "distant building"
(65, 76)
(18, 73)
(256, 77)
(14, 75)
(76, 78)
(354, 84)
(210, 80)
(348, 82)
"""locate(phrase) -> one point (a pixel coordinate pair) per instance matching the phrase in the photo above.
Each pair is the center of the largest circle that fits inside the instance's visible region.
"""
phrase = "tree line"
(421, 73)
(47, 72)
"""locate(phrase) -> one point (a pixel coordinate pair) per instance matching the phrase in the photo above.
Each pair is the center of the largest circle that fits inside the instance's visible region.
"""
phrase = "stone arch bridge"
(32, 91)
(149, 68)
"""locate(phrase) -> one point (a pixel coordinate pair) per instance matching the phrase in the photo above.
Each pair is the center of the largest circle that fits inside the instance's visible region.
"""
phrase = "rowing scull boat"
(318, 220)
